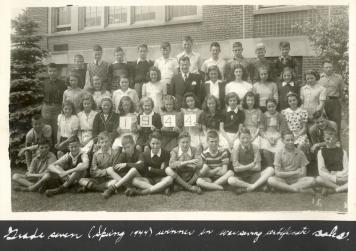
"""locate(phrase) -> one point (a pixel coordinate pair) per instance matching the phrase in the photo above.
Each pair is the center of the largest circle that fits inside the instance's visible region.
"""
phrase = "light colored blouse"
(240, 88)
(86, 126)
(265, 91)
(67, 126)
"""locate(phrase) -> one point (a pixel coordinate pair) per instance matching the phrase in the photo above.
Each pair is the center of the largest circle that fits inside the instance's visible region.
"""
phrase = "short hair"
(106, 99)
(256, 99)
(146, 99)
(287, 132)
(52, 65)
(183, 135)
(237, 44)
(312, 72)
(284, 44)
(327, 60)
(91, 99)
(118, 49)
(184, 58)
(68, 103)
(165, 45)
(244, 130)
(79, 56)
(142, 46)
(126, 99)
(231, 95)
(127, 139)
(155, 135)
(188, 39)
(190, 94)
(169, 98)
(288, 69)
(212, 134)
(215, 44)
(97, 48)
(293, 94)
(124, 76)
(271, 100)
(36, 117)
(73, 139)
(105, 135)
(43, 141)
(319, 114)
(214, 68)
(239, 66)
(205, 103)
(75, 75)
(260, 46)
(154, 68)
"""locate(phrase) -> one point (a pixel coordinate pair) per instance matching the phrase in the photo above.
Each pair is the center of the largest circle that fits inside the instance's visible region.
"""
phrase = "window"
(144, 13)
(92, 16)
(182, 11)
(117, 15)
(63, 18)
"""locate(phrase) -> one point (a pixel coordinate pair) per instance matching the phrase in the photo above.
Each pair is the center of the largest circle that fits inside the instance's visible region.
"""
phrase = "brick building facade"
(71, 30)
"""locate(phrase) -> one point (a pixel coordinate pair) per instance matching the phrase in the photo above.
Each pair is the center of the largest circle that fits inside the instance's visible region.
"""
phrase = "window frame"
(171, 19)
(102, 19)
(128, 19)
(280, 8)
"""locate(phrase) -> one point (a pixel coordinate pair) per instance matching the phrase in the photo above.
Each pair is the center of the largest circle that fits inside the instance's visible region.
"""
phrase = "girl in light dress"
(239, 85)
(99, 91)
(126, 110)
(86, 119)
(74, 93)
(191, 115)
(252, 116)
(68, 126)
(169, 131)
(312, 95)
(155, 89)
(297, 119)
(265, 88)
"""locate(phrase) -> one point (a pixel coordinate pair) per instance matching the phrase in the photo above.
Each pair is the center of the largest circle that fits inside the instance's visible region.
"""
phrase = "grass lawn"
(181, 201)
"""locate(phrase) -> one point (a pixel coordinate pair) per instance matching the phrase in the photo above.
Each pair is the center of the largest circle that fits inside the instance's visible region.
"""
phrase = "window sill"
(126, 27)
(282, 9)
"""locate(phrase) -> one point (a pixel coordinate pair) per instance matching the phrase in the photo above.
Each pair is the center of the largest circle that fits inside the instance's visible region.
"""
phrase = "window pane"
(117, 15)
(182, 11)
(144, 13)
(93, 16)
(63, 15)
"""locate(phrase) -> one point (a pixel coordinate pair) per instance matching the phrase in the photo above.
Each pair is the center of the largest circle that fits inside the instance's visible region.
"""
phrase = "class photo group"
(182, 123)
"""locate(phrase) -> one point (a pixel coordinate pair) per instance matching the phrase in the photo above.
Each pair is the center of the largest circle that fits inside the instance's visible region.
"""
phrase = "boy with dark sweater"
(119, 67)
(140, 69)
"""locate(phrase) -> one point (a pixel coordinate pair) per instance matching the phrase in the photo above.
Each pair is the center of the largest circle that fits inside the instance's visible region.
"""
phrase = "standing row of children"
(170, 104)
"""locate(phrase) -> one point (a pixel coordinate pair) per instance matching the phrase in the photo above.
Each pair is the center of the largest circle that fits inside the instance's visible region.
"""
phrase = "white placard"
(125, 122)
(190, 119)
(145, 120)
(169, 120)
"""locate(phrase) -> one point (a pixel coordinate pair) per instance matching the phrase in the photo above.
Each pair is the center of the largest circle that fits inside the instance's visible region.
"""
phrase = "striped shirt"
(215, 160)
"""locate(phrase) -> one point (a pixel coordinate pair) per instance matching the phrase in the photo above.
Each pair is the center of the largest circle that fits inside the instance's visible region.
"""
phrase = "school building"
(71, 30)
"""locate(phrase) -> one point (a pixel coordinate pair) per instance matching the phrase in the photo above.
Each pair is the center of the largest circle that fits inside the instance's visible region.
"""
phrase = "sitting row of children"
(156, 171)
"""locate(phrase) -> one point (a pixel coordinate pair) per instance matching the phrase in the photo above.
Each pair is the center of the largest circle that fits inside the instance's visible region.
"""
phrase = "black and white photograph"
(179, 108)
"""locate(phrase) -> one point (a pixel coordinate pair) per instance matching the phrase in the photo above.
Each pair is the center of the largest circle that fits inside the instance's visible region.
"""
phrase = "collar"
(238, 58)
(245, 148)
(285, 83)
(116, 62)
(124, 92)
(208, 151)
(189, 152)
(188, 73)
(158, 154)
(141, 60)
(70, 155)
(99, 62)
(235, 111)
(151, 114)
(287, 57)
(186, 54)
(211, 82)
(292, 152)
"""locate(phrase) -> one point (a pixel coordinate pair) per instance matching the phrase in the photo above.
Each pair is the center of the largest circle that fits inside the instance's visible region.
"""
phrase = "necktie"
(97, 62)
(185, 77)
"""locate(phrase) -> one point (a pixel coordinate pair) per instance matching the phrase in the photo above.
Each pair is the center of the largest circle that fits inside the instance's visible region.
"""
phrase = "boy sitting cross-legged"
(156, 160)
(184, 163)
(127, 168)
(290, 168)
(37, 174)
(70, 168)
(246, 160)
(214, 173)
(102, 159)
(332, 165)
